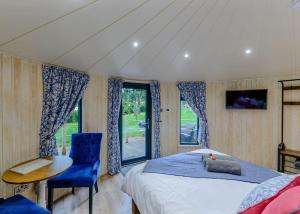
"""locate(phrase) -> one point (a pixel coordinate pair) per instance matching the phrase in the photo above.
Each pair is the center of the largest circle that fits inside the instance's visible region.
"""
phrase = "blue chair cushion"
(81, 175)
(21, 205)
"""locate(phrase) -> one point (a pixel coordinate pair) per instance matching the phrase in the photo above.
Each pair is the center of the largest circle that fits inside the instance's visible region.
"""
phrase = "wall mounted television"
(247, 99)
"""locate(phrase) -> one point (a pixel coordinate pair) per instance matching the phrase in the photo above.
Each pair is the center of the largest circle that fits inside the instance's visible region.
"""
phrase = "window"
(189, 124)
(73, 125)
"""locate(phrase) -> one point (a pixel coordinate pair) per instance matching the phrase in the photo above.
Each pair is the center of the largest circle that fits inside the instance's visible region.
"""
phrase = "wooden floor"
(109, 200)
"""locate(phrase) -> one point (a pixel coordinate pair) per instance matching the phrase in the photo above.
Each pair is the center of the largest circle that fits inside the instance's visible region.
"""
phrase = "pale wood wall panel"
(8, 118)
(173, 106)
(170, 120)
(251, 135)
(1, 122)
(21, 108)
(95, 113)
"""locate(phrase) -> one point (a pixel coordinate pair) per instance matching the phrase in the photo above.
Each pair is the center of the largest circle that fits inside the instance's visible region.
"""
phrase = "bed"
(168, 194)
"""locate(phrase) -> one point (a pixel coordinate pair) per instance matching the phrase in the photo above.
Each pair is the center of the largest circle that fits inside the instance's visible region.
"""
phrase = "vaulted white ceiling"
(98, 35)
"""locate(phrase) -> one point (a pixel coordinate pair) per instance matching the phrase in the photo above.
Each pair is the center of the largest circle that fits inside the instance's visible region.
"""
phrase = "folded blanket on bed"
(190, 165)
(217, 156)
(223, 166)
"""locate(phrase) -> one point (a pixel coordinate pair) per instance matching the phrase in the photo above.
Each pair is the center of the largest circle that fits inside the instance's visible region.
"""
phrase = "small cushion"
(21, 205)
(256, 201)
(82, 175)
(286, 203)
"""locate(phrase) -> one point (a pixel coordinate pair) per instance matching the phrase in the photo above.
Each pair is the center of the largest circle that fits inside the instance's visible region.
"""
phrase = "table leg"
(42, 193)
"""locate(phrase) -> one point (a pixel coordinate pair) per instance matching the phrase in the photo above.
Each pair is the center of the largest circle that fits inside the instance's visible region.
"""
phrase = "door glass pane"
(134, 123)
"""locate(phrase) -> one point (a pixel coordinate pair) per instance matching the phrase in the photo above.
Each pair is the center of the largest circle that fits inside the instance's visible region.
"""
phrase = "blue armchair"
(20, 205)
(85, 152)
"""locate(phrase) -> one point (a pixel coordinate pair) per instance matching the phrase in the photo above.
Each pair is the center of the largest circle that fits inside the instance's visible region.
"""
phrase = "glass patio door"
(135, 123)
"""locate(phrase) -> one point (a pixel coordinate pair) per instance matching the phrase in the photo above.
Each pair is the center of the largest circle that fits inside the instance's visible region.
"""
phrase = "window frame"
(198, 125)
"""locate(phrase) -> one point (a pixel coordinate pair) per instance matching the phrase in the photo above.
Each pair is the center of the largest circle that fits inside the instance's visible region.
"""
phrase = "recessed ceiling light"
(135, 44)
(186, 55)
(248, 51)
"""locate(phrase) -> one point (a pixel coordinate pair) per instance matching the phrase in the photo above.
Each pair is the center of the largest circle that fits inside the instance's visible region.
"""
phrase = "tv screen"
(247, 99)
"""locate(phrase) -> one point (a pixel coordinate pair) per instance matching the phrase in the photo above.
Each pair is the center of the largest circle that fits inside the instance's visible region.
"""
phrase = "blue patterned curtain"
(63, 89)
(114, 104)
(194, 93)
(155, 96)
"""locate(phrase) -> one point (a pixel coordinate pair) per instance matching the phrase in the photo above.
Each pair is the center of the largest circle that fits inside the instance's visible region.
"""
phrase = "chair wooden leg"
(50, 199)
(73, 190)
(91, 200)
(96, 187)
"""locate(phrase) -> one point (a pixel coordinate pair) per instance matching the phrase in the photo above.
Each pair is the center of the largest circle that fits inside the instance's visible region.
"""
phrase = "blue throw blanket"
(190, 165)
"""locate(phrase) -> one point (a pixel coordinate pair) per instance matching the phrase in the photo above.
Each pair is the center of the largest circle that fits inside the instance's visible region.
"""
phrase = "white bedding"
(168, 194)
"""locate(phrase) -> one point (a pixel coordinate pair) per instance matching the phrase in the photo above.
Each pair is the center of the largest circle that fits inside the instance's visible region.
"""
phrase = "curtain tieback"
(48, 138)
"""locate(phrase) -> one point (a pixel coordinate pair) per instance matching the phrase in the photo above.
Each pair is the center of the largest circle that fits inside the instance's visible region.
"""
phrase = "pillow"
(256, 201)
(287, 203)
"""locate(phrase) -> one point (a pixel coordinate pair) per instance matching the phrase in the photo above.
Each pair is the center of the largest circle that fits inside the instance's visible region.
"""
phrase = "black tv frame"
(246, 90)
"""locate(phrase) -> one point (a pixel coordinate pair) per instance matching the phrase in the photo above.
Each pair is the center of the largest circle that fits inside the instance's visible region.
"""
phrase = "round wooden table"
(39, 176)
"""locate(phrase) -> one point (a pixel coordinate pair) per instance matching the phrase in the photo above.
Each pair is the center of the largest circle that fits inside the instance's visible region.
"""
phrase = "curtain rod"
(137, 81)
(64, 67)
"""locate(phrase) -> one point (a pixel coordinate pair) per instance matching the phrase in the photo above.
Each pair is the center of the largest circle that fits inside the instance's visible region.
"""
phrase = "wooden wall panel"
(1, 122)
(251, 135)
(21, 87)
(95, 113)
(170, 120)
(169, 137)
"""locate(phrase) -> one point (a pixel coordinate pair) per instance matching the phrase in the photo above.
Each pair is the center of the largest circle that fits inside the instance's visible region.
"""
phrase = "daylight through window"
(189, 124)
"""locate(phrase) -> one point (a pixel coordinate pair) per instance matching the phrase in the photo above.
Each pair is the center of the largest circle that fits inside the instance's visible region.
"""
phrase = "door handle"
(148, 123)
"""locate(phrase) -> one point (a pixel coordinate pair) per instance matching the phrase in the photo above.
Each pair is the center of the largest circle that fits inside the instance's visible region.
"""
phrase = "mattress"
(168, 194)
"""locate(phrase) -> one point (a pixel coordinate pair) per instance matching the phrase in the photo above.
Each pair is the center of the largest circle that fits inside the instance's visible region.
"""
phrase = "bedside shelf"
(291, 153)
(291, 103)
(287, 88)
(287, 158)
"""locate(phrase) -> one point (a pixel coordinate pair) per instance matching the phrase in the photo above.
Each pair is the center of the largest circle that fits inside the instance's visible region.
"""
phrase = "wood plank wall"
(252, 135)
(169, 118)
(1, 122)
(20, 109)
(95, 113)
(170, 103)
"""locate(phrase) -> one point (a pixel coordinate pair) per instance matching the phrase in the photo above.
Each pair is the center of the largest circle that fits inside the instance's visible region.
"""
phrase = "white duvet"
(168, 194)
